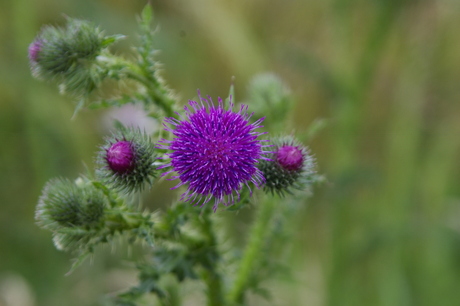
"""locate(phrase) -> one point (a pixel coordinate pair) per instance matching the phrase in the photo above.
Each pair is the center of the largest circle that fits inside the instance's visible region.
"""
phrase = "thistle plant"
(220, 155)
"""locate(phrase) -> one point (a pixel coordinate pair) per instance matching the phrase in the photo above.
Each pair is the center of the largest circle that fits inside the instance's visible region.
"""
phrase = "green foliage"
(158, 92)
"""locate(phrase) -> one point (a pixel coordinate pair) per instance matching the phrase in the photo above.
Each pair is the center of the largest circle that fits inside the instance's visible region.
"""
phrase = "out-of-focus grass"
(385, 228)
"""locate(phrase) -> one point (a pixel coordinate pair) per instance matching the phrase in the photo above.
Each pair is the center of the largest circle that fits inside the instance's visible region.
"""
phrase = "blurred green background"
(385, 228)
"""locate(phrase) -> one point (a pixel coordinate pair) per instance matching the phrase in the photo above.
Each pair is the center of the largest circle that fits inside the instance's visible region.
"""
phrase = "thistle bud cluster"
(68, 55)
(291, 166)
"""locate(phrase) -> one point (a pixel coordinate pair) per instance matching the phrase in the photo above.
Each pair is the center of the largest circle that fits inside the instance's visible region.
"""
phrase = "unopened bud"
(268, 95)
(68, 55)
(63, 204)
(291, 166)
(127, 161)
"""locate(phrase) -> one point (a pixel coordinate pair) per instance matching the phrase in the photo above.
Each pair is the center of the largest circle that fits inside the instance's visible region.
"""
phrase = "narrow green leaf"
(231, 94)
(314, 129)
(119, 125)
(78, 108)
(147, 14)
(102, 187)
(108, 40)
(78, 261)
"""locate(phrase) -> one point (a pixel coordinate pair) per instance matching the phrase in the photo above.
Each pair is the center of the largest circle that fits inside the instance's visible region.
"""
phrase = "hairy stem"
(211, 276)
(253, 251)
(214, 288)
(155, 89)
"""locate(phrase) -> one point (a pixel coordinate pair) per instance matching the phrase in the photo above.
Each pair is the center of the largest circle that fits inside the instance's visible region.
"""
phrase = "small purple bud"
(120, 157)
(290, 167)
(34, 50)
(290, 158)
(127, 161)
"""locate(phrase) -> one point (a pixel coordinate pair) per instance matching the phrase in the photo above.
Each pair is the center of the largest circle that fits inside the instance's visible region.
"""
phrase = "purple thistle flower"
(214, 151)
(34, 50)
(290, 157)
(120, 157)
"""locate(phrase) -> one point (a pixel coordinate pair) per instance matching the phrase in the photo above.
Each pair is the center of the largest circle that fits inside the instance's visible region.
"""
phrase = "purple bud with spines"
(214, 152)
(120, 157)
(127, 161)
(291, 166)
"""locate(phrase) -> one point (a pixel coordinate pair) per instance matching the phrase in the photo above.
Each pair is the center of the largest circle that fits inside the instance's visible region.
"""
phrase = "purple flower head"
(290, 157)
(214, 151)
(120, 157)
(34, 50)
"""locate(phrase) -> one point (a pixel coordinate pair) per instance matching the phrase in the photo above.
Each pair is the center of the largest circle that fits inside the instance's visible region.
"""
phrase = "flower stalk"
(249, 262)
(211, 275)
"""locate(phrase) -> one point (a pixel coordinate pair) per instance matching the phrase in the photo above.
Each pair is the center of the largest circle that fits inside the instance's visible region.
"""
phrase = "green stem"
(157, 92)
(120, 219)
(253, 251)
(163, 102)
(214, 284)
(211, 276)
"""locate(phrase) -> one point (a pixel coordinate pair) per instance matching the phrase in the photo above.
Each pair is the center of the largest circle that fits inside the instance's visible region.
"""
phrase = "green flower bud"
(127, 161)
(64, 204)
(268, 95)
(291, 166)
